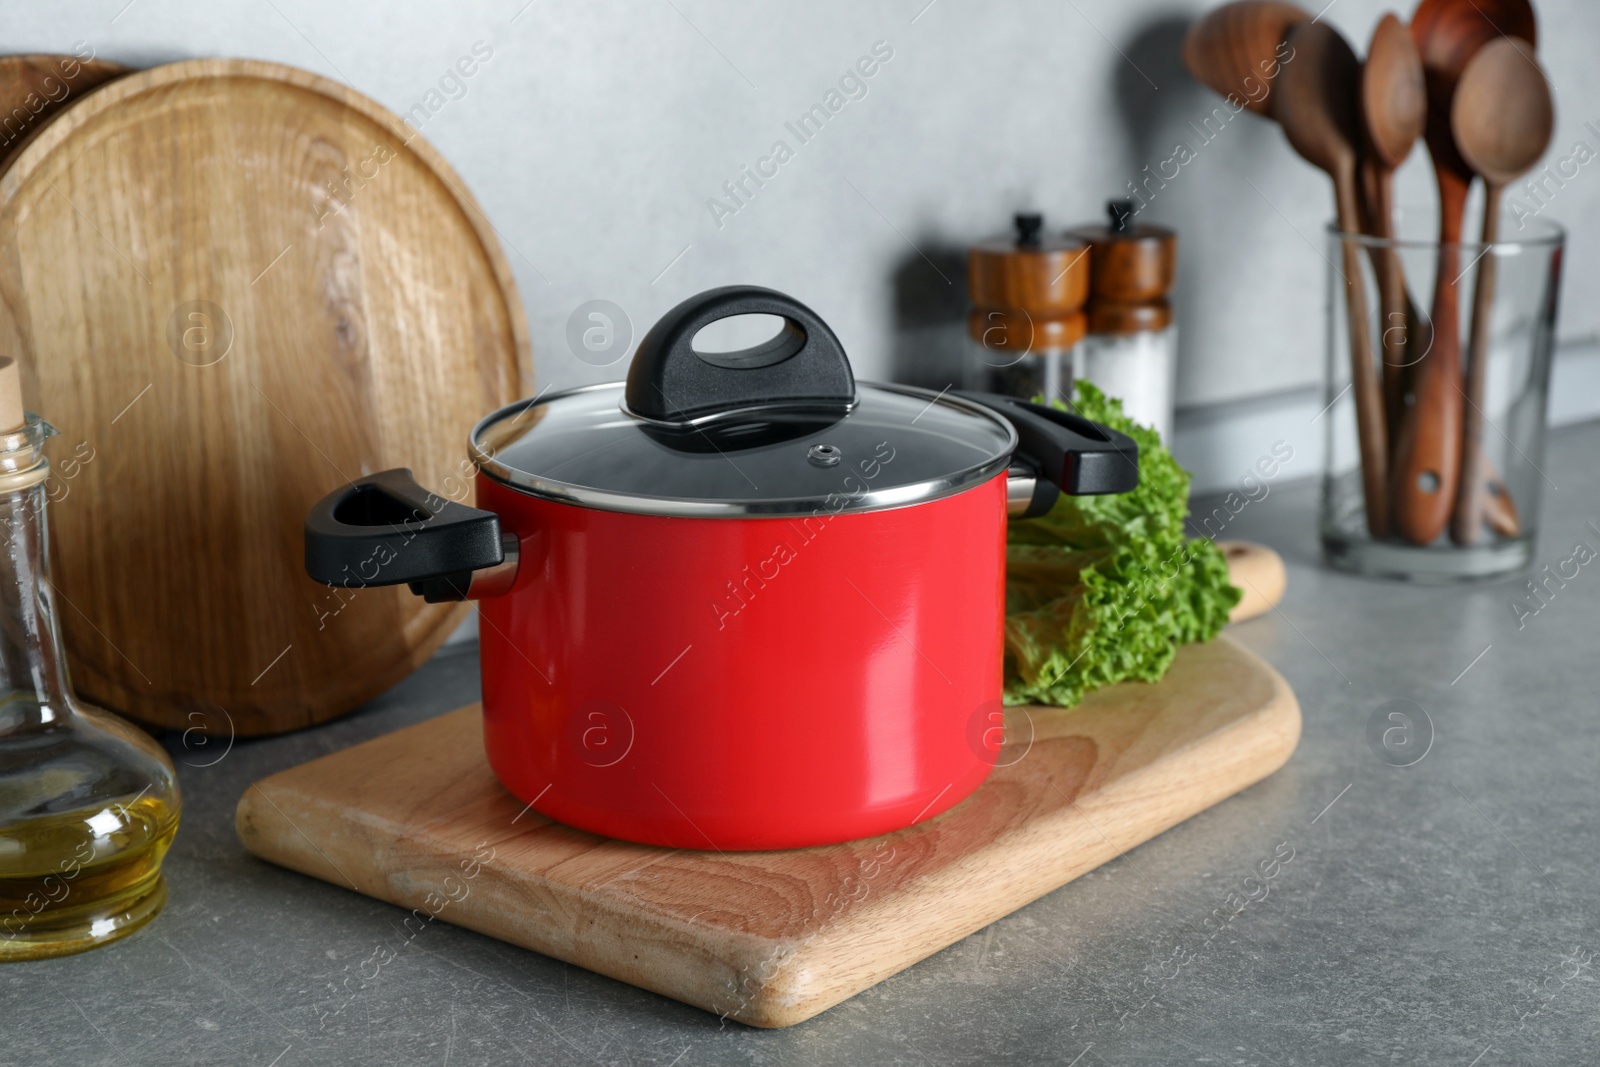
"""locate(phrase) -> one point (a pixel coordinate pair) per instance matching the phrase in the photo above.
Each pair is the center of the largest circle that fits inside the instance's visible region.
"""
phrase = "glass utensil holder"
(1438, 381)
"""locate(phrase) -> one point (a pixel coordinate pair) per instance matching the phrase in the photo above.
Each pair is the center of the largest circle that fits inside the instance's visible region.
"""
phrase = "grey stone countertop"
(1438, 913)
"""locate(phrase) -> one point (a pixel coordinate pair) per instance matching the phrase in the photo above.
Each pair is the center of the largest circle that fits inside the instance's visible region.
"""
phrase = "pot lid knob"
(802, 369)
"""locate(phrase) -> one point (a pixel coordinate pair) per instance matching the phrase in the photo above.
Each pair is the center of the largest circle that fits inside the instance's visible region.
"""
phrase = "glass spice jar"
(1131, 351)
(1027, 290)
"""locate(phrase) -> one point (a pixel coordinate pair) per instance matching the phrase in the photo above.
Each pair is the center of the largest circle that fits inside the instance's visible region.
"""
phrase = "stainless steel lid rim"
(850, 498)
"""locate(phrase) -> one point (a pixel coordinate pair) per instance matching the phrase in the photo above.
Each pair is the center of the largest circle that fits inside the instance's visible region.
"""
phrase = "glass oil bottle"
(88, 803)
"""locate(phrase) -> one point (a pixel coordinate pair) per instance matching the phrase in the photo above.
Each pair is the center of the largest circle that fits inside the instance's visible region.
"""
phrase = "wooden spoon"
(1237, 49)
(1500, 511)
(1394, 109)
(1502, 119)
(1427, 455)
(1318, 104)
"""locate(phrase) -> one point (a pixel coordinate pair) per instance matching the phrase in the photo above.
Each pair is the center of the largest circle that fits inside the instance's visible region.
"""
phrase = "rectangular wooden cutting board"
(416, 818)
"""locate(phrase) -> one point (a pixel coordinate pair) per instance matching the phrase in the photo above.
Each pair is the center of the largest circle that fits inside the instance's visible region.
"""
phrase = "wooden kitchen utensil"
(1318, 105)
(1499, 509)
(235, 286)
(416, 818)
(1427, 455)
(1394, 110)
(1502, 119)
(1236, 50)
(36, 86)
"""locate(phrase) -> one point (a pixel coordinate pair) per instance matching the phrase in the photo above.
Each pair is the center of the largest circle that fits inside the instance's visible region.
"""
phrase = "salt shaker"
(1131, 351)
(1028, 290)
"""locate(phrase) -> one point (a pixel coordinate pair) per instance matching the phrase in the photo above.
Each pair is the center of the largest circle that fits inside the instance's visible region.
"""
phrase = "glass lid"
(889, 446)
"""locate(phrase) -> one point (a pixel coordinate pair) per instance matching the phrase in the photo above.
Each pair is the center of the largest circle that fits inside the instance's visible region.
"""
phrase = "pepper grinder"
(1131, 352)
(1028, 290)
(88, 803)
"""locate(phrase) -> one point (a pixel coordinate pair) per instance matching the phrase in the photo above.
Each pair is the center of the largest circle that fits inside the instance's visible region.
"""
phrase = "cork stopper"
(1131, 263)
(12, 416)
(22, 462)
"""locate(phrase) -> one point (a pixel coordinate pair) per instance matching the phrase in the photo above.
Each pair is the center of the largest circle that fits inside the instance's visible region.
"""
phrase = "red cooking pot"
(741, 602)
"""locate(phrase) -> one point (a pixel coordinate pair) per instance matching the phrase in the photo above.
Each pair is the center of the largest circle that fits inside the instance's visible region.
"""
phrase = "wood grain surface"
(1259, 573)
(235, 286)
(1047, 278)
(37, 86)
(416, 818)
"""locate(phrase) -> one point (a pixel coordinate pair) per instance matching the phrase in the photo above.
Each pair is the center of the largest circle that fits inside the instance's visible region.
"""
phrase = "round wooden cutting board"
(235, 286)
(34, 87)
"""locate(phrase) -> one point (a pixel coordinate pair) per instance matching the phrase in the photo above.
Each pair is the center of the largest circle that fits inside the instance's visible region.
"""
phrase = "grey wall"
(595, 134)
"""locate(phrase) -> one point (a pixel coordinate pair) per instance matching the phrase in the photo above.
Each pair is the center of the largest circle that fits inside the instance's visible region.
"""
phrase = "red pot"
(740, 602)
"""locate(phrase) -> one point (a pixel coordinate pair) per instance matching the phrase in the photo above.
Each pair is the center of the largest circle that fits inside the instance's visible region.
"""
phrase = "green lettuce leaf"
(1105, 588)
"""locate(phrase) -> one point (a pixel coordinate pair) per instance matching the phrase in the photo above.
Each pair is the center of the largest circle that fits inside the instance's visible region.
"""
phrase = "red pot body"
(746, 683)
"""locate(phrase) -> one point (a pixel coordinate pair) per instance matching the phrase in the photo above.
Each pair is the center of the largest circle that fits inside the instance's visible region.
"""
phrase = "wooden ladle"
(1236, 50)
(1502, 120)
(1394, 110)
(1425, 474)
(1318, 105)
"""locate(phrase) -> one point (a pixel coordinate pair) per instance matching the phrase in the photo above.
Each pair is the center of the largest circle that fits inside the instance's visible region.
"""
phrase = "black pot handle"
(1079, 457)
(804, 368)
(385, 529)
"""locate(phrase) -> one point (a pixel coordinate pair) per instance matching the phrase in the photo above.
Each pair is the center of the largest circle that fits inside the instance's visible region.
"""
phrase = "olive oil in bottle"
(93, 877)
(88, 803)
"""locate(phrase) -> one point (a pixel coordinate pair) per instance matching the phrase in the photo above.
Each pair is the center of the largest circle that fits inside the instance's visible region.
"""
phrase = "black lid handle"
(803, 368)
(1080, 457)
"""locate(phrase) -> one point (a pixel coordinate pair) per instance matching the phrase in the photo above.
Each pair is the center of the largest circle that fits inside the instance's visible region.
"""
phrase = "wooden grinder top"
(1132, 267)
(1028, 288)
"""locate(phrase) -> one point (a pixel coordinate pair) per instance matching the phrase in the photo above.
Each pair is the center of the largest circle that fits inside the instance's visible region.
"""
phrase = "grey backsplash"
(602, 140)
